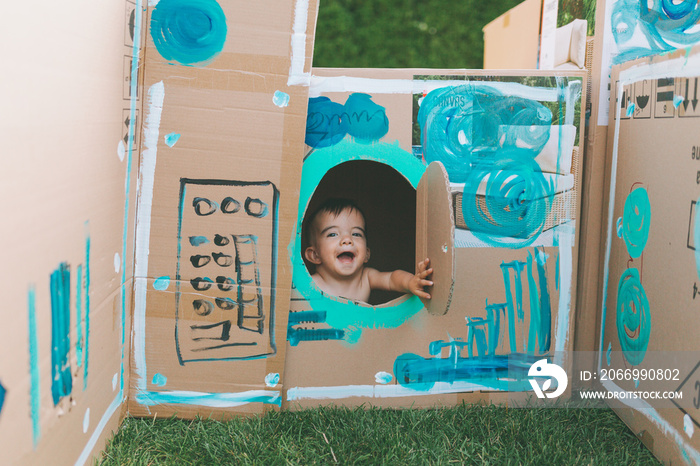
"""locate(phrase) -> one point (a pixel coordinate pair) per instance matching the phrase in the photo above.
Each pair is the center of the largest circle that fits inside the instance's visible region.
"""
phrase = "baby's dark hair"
(334, 206)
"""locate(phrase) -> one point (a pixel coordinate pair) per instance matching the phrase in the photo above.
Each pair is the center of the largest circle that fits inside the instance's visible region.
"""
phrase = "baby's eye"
(359, 235)
(332, 235)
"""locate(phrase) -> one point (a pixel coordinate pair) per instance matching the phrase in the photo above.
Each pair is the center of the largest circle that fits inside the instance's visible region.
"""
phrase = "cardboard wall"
(69, 188)
(666, 428)
(511, 41)
(650, 271)
(220, 169)
(341, 352)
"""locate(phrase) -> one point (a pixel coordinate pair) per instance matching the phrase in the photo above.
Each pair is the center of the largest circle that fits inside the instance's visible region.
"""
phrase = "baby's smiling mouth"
(346, 256)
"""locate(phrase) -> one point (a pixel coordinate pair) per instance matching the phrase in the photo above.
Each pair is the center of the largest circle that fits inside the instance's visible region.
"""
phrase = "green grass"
(464, 434)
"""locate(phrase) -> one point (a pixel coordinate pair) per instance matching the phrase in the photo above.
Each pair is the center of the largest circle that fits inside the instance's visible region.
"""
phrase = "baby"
(338, 249)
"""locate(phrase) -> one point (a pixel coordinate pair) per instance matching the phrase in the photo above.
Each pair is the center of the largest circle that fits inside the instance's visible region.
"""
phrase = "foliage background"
(404, 33)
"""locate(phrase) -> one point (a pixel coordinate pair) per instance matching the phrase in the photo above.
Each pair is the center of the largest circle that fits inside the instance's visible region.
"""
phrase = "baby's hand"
(419, 281)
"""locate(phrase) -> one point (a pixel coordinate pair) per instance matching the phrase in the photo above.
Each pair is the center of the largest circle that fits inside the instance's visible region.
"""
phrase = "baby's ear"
(367, 256)
(311, 255)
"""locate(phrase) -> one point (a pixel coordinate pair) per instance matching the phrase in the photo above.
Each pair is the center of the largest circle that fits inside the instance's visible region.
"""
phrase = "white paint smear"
(564, 312)
(121, 150)
(86, 421)
(117, 262)
(379, 391)
(688, 426)
(323, 85)
(156, 95)
(115, 379)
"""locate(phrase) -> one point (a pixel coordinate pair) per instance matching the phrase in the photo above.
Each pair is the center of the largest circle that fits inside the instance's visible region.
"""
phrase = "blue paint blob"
(2, 396)
(636, 383)
(188, 31)
(161, 283)
(633, 317)
(272, 379)
(198, 240)
(630, 110)
(281, 99)
(171, 139)
(677, 101)
(659, 26)
(608, 353)
(329, 122)
(34, 377)
(326, 124)
(61, 378)
(159, 379)
(636, 219)
(86, 292)
(619, 227)
(79, 316)
(516, 202)
(215, 400)
(500, 372)
(367, 120)
(467, 125)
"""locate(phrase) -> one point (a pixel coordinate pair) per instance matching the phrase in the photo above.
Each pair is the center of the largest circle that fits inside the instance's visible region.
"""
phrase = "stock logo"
(542, 368)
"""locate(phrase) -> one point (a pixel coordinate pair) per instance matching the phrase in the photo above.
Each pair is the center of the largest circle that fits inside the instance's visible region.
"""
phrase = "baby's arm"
(402, 281)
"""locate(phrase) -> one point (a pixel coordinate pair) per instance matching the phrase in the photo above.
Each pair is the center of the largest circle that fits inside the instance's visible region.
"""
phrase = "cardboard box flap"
(435, 235)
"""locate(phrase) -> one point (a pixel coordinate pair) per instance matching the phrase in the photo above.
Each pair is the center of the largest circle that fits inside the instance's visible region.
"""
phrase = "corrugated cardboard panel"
(222, 151)
(511, 41)
(435, 235)
(651, 274)
(513, 295)
(68, 181)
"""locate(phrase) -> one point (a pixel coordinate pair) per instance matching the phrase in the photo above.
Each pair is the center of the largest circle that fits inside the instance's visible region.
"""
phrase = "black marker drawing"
(227, 236)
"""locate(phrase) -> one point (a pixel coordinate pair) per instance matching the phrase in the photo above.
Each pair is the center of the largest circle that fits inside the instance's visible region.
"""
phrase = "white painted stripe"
(156, 95)
(608, 236)
(564, 312)
(379, 391)
(211, 400)
(321, 85)
(297, 76)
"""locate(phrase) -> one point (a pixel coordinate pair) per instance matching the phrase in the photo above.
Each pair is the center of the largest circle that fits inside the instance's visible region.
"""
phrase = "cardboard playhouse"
(163, 181)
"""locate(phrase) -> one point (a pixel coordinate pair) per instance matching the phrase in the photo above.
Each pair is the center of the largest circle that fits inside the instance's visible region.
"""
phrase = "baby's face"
(339, 246)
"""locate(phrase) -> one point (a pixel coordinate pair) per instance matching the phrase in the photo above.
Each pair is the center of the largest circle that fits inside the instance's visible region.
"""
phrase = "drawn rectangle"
(691, 226)
(664, 94)
(227, 243)
(129, 23)
(128, 63)
(687, 89)
(642, 99)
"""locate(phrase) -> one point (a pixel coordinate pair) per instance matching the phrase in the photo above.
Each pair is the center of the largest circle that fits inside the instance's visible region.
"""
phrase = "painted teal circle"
(636, 218)
(188, 31)
(340, 313)
(633, 317)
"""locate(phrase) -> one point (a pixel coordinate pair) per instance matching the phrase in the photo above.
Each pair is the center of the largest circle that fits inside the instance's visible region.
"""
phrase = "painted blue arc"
(342, 314)
(189, 32)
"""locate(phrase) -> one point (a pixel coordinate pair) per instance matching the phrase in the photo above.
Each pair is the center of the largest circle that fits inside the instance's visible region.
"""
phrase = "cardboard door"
(435, 235)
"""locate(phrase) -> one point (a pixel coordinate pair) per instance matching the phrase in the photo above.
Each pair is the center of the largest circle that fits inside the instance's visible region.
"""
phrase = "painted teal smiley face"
(340, 313)
(636, 219)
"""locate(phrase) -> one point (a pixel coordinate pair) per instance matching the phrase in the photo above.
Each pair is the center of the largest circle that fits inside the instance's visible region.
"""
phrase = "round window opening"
(388, 202)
